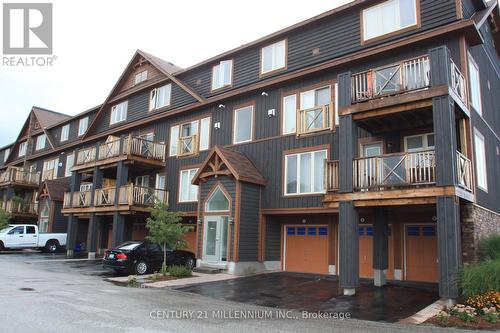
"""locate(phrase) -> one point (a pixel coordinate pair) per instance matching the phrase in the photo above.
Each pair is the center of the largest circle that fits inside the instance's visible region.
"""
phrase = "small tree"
(4, 219)
(165, 229)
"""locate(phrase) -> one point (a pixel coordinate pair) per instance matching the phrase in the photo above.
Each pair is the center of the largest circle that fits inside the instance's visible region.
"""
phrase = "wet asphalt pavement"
(46, 293)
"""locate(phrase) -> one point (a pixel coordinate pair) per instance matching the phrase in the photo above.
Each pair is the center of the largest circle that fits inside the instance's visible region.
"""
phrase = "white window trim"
(425, 142)
(54, 169)
(179, 127)
(251, 124)
(65, 132)
(67, 172)
(211, 196)
(283, 118)
(83, 121)
(123, 104)
(168, 97)
(363, 19)
(478, 135)
(141, 77)
(6, 153)
(298, 173)
(285, 62)
(39, 145)
(472, 62)
(180, 186)
(220, 74)
(23, 146)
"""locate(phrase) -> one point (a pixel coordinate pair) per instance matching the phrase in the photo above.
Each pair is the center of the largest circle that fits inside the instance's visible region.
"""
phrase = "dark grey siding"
(468, 8)
(249, 222)
(334, 36)
(273, 239)
(138, 107)
(55, 132)
(59, 223)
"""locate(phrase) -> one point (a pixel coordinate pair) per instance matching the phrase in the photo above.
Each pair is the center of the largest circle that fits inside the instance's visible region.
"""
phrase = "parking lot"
(47, 293)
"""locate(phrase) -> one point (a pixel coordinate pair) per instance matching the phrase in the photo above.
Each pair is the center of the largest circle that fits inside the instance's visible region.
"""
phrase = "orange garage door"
(306, 249)
(421, 253)
(365, 234)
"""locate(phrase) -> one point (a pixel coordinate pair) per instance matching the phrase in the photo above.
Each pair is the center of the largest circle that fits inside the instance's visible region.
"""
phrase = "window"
(140, 77)
(419, 142)
(189, 138)
(22, 148)
(289, 114)
(475, 86)
(30, 229)
(119, 112)
(142, 181)
(218, 202)
(82, 126)
(187, 191)
(480, 154)
(65, 132)
(70, 161)
(222, 74)
(40, 142)
(50, 169)
(387, 17)
(243, 125)
(6, 153)
(304, 172)
(160, 97)
(315, 110)
(273, 57)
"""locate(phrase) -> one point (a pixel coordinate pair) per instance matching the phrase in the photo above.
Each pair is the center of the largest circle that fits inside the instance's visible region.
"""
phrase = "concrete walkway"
(197, 278)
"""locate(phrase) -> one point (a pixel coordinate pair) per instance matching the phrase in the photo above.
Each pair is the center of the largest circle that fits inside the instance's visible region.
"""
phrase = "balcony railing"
(104, 196)
(464, 172)
(142, 196)
(458, 84)
(49, 174)
(331, 177)
(315, 119)
(131, 195)
(135, 146)
(397, 78)
(188, 145)
(20, 176)
(20, 207)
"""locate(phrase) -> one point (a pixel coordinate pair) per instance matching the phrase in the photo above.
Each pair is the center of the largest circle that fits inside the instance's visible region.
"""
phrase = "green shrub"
(480, 278)
(491, 317)
(179, 271)
(489, 248)
(164, 269)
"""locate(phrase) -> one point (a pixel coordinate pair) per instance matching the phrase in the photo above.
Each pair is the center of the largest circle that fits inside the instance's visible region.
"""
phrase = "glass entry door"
(215, 239)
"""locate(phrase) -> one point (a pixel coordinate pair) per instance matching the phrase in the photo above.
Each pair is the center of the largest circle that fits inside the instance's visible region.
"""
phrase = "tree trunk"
(164, 254)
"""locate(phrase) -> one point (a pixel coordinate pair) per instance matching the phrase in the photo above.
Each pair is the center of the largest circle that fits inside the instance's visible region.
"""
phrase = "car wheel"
(141, 267)
(51, 247)
(1, 246)
(190, 263)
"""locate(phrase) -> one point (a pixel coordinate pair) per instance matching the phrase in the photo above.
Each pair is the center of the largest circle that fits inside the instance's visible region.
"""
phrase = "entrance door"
(215, 236)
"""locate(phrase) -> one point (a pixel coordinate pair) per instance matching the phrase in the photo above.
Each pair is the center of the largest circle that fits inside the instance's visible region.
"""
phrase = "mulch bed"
(163, 278)
(479, 324)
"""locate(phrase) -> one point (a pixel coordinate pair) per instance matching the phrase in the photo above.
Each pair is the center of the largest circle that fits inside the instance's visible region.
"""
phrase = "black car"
(141, 257)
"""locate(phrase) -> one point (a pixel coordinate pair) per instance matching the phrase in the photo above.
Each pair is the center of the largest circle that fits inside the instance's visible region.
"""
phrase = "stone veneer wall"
(477, 223)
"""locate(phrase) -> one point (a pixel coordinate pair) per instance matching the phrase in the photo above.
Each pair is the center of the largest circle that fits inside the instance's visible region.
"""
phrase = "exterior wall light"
(217, 125)
(271, 113)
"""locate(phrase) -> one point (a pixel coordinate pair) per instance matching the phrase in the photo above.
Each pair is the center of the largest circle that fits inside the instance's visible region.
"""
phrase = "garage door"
(421, 253)
(306, 249)
(365, 234)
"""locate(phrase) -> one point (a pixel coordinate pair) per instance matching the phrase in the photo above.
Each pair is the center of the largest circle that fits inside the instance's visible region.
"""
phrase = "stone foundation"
(477, 223)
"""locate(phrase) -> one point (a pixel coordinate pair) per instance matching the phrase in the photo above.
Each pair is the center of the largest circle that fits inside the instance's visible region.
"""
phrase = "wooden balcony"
(400, 87)
(19, 177)
(131, 198)
(318, 118)
(20, 209)
(399, 178)
(132, 149)
(188, 145)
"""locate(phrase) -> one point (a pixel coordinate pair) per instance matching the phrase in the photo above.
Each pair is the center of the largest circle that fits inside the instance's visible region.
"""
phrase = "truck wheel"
(141, 267)
(51, 247)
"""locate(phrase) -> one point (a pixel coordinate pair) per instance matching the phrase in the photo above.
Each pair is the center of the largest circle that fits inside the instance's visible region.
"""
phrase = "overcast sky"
(95, 39)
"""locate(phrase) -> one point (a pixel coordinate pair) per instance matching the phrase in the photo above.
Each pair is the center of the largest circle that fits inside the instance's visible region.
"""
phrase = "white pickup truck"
(26, 236)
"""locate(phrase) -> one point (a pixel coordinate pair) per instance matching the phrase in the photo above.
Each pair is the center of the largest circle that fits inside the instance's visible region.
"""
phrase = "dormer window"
(222, 74)
(141, 77)
(273, 57)
(40, 142)
(388, 17)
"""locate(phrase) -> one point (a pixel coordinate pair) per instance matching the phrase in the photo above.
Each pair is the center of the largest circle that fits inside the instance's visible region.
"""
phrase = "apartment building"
(363, 142)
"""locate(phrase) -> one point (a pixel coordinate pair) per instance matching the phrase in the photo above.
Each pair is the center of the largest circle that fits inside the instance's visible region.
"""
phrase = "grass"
(489, 248)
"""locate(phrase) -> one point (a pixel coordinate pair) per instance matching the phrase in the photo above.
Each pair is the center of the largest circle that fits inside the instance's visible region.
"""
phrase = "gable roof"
(55, 188)
(237, 164)
(163, 66)
(46, 118)
(492, 15)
